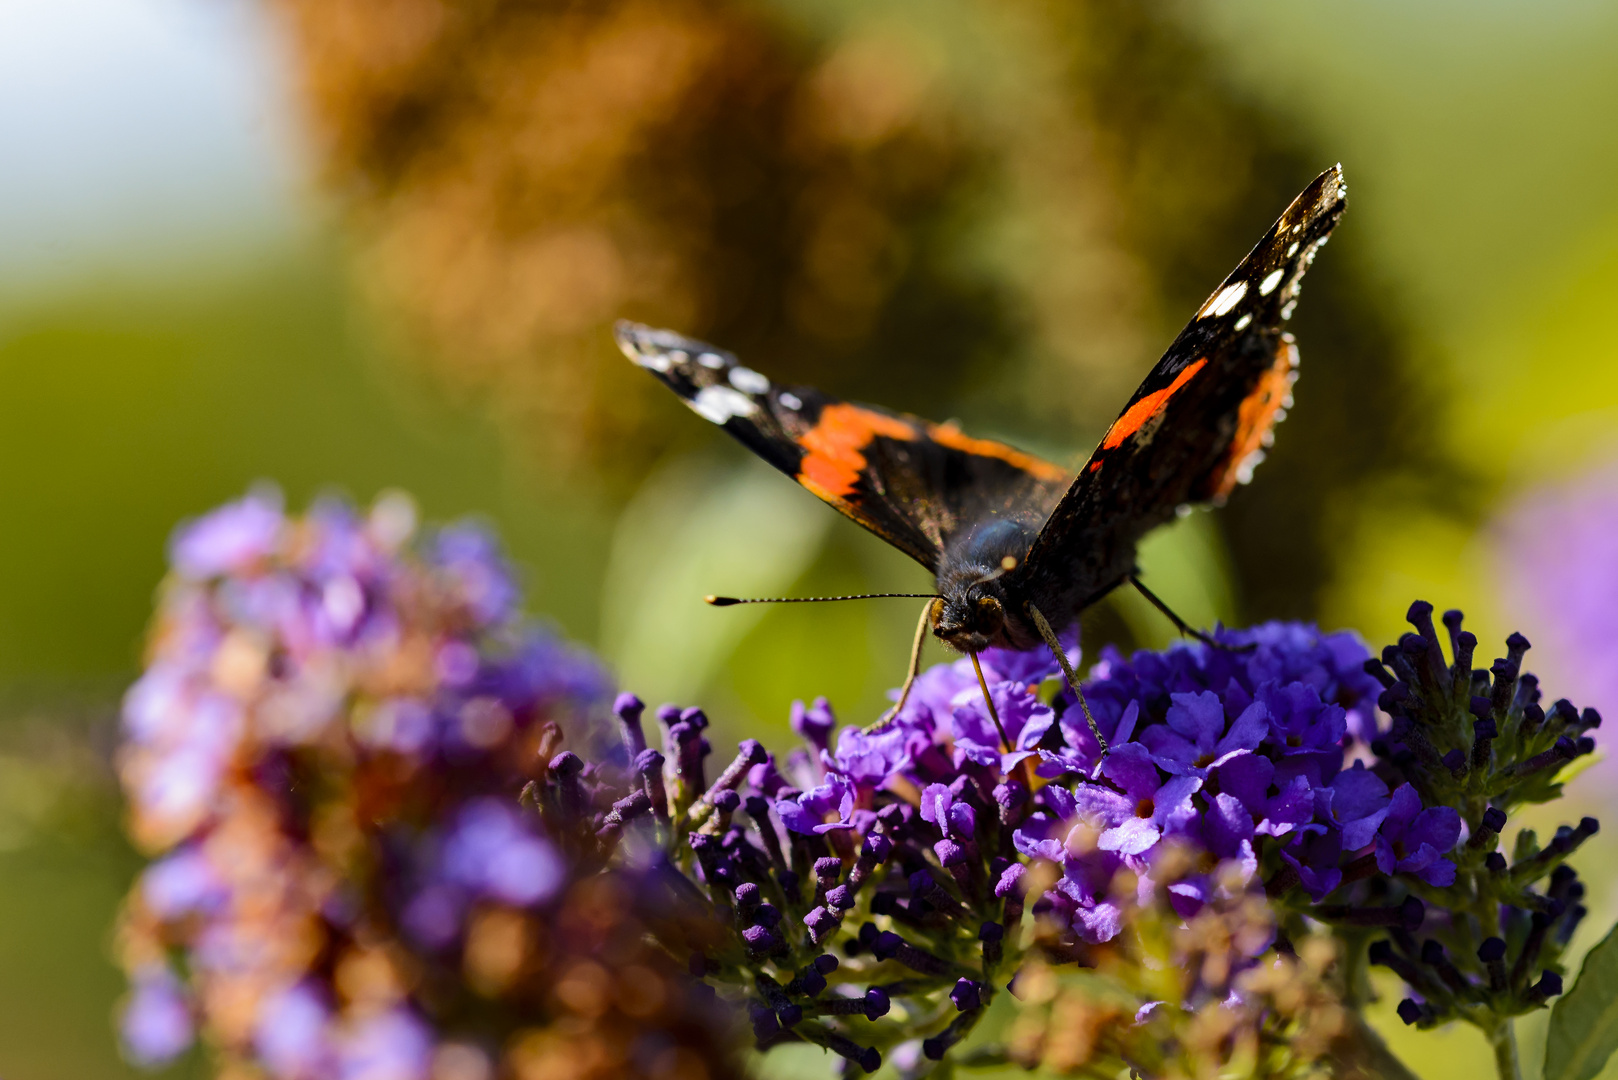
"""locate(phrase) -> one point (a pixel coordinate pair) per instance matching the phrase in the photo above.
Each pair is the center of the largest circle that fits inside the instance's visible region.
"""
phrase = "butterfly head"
(971, 619)
(971, 612)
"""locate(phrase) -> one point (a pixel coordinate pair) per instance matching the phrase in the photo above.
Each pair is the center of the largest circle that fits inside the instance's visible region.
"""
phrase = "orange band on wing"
(951, 436)
(835, 447)
(1147, 407)
(1258, 414)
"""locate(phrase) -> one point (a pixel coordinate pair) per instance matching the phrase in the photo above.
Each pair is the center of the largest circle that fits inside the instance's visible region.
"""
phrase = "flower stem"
(1359, 1053)
(1503, 1040)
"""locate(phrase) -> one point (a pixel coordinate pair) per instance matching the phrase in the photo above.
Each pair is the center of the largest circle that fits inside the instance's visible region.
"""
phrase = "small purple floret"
(965, 995)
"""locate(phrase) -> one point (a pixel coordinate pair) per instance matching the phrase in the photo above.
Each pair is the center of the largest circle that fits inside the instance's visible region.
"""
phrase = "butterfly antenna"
(732, 601)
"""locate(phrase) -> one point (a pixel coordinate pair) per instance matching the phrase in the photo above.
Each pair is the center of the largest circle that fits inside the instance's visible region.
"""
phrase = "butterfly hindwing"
(1199, 422)
(913, 483)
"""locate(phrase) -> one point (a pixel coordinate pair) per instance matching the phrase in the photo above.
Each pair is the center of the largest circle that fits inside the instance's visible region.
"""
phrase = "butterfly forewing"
(915, 484)
(1200, 420)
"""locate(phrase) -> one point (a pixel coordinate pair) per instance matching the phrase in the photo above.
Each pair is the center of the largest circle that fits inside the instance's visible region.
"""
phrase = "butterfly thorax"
(980, 605)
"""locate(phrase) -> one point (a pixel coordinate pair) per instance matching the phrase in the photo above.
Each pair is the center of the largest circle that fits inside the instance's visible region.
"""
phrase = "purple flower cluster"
(271, 630)
(1261, 744)
(325, 754)
(922, 838)
(1478, 740)
(1226, 747)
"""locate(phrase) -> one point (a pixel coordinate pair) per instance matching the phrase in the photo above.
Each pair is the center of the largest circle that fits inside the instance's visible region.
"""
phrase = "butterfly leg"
(1179, 623)
(1049, 635)
(915, 669)
(988, 703)
(1027, 767)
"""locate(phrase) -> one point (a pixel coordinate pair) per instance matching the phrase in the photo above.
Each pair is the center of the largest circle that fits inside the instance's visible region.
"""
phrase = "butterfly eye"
(989, 605)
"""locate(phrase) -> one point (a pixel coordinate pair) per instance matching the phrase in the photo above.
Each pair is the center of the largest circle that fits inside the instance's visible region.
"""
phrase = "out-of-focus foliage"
(522, 174)
(1000, 210)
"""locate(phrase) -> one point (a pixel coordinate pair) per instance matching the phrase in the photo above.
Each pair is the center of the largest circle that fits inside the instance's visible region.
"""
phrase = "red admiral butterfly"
(1018, 545)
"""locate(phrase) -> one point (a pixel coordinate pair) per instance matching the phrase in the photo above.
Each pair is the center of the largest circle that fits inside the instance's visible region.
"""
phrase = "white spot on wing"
(1226, 299)
(790, 400)
(720, 403)
(1271, 280)
(711, 360)
(1244, 471)
(1293, 250)
(1241, 323)
(657, 361)
(748, 381)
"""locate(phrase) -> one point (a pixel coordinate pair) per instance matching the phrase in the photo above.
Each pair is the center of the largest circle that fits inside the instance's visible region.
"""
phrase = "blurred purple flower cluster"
(324, 756)
(277, 635)
(1560, 563)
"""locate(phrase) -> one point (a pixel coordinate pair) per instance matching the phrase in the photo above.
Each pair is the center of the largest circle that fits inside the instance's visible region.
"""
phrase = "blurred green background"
(243, 243)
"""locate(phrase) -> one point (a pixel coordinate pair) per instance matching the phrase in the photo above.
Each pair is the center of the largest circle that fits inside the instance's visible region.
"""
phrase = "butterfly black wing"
(915, 484)
(1200, 421)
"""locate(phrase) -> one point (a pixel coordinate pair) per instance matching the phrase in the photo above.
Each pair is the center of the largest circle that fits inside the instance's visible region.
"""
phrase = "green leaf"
(1578, 765)
(1584, 1023)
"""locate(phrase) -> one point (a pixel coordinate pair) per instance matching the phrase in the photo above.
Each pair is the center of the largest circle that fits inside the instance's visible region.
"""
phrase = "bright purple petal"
(1173, 752)
(1247, 732)
(1130, 767)
(1439, 872)
(1037, 847)
(1198, 717)
(962, 821)
(1227, 825)
(1359, 802)
(1247, 777)
(795, 817)
(1402, 811)
(1438, 827)
(1173, 806)
(156, 1024)
(1126, 723)
(1134, 836)
(1099, 923)
(1102, 805)
(229, 539)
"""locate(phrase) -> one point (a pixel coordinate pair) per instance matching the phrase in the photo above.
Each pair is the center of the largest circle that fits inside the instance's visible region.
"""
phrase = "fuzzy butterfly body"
(1011, 537)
